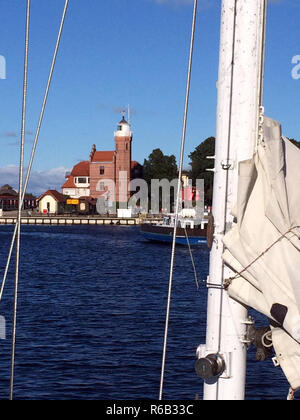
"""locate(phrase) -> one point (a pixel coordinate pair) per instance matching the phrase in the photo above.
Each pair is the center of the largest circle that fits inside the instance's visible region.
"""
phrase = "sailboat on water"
(190, 230)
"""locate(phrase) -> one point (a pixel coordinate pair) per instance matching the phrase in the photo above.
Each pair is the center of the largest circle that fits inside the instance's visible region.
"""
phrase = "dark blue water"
(91, 316)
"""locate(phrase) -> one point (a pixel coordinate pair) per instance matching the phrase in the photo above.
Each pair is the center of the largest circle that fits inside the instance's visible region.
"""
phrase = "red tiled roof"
(69, 182)
(81, 169)
(103, 156)
(135, 164)
(55, 194)
(8, 190)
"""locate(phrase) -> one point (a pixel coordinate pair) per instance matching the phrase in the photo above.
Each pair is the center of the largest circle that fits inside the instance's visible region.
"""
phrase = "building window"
(102, 169)
(126, 146)
(81, 181)
(102, 186)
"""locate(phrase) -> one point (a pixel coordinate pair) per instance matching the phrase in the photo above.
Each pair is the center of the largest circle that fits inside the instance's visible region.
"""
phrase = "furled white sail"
(263, 246)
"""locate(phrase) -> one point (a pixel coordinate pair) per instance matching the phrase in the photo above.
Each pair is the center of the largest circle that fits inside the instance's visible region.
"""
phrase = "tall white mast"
(223, 357)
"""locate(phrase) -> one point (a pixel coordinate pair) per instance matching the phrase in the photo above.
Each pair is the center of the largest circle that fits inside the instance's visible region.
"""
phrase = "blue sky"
(120, 52)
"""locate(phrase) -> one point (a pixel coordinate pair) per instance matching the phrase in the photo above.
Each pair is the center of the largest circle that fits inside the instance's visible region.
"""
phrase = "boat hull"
(164, 234)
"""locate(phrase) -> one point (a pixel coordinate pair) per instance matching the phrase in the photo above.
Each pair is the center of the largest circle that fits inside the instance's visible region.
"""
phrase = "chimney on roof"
(92, 152)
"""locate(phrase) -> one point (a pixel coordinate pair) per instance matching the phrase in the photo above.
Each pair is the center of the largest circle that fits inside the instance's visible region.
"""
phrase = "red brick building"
(106, 173)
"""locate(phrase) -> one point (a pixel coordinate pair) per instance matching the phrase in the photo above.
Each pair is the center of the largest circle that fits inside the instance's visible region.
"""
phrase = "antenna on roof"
(128, 113)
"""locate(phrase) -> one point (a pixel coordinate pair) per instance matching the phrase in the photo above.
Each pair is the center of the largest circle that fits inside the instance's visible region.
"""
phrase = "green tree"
(199, 165)
(160, 166)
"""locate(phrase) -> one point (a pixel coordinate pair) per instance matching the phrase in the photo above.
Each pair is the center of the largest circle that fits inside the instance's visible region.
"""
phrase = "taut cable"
(178, 200)
(35, 143)
(18, 235)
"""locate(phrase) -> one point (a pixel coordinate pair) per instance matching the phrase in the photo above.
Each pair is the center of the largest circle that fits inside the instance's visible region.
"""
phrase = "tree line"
(161, 166)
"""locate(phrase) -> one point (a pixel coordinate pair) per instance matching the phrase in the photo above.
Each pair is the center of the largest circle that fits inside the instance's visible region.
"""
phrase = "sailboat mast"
(222, 360)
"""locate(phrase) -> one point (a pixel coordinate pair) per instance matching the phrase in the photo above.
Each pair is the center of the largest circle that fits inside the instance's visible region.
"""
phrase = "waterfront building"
(52, 202)
(106, 173)
(78, 181)
(86, 205)
(9, 199)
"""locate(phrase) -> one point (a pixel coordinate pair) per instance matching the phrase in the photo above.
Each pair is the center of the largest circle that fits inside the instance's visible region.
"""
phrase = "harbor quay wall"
(77, 220)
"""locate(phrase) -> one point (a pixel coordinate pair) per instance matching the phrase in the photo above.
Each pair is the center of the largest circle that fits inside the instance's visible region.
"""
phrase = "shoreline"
(77, 220)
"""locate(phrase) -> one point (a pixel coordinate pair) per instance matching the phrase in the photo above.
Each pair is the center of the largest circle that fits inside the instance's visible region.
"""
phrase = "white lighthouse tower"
(123, 140)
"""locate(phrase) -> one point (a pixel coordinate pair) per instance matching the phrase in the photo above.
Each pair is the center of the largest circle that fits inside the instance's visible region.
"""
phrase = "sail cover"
(263, 246)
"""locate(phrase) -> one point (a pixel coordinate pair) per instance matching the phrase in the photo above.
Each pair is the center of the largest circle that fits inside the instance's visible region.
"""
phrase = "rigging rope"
(267, 336)
(22, 190)
(228, 281)
(192, 258)
(35, 142)
(18, 235)
(178, 199)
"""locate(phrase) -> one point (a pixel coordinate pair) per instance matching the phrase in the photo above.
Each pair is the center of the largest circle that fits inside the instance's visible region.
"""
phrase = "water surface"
(91, 315)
